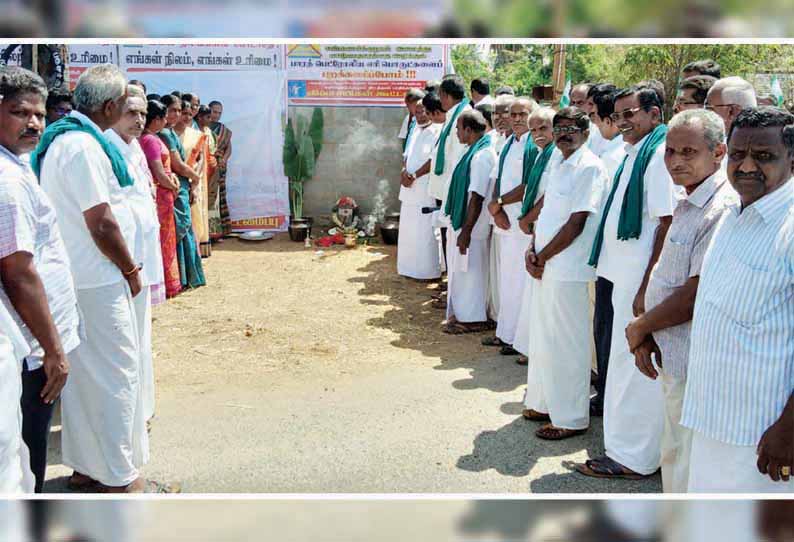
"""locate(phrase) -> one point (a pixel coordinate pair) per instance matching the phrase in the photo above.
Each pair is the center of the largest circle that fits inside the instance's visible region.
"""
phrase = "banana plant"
(303, 142)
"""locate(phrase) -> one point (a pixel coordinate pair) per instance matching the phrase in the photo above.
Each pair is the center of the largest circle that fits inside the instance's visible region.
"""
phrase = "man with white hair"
(728, 96)
(694, 151)
(104, 431)
(146, 247)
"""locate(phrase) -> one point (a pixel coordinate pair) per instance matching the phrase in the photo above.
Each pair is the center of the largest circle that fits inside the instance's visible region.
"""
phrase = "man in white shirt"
(35, 277)
(146, 246)
(417, 250)
(564, 232)
(412, 97)
(467, 250)
(480, 92)
(595, 142)
(636, 216)
(505, 208)
(611, 155)
(104, 429)
(448, 149)
(728, 96)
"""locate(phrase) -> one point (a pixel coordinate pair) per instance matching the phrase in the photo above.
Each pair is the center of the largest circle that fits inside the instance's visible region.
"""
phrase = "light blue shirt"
(741, 359)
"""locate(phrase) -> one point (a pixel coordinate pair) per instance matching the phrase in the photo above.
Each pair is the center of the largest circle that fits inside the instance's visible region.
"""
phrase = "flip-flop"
(153, 486)
(535, 416)
(549, 432)
(492, 341)
(604, 467)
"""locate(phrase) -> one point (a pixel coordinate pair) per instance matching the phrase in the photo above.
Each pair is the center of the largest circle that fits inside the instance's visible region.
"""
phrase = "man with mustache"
(692, 92)
(634, 221)
(505, 208)
(693, 153)
(36, 284)
(738, 400)
(562, 335)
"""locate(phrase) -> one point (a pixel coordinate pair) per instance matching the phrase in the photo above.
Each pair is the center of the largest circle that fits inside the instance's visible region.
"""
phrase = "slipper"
(508, 350)
(81, 487)
(549, 432)
(535, 416)
(522, 360)
(493, 341)
(604, 467)
(457, 328)
(438, 304)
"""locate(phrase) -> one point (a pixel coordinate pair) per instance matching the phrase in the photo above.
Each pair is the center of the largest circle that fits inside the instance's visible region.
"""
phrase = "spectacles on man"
(565, 130)
(627, 114)
(712, 107)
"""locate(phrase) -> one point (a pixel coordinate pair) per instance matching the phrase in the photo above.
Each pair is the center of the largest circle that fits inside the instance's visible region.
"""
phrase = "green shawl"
(459, 185)
(442, 140)
(630, 221)
(71, 124)
(533, 179)
(411, 124)
(530, 154)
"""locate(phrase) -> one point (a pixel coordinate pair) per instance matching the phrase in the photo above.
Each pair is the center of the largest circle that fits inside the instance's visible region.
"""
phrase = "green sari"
(191, 272)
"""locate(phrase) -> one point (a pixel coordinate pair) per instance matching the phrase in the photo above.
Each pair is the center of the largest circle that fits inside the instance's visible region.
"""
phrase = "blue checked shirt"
(741, 361)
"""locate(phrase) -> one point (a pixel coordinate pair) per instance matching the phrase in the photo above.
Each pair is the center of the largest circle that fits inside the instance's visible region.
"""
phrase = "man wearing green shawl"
(540, 128)
(449, 149)
(103, 430)
(467, 249)
(631, 232)
(512, 170)
(562, 334)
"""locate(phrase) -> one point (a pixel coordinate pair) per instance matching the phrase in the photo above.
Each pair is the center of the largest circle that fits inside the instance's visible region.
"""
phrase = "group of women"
(182, 152)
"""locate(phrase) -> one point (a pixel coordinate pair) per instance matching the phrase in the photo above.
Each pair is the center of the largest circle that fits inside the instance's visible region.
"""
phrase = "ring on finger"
(785, 471)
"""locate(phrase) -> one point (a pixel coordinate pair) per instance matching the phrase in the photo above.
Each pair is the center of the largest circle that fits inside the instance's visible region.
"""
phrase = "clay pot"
(389, 232)
(300, 229)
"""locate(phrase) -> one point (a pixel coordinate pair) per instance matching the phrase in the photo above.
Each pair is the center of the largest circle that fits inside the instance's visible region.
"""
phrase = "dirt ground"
(298, 370)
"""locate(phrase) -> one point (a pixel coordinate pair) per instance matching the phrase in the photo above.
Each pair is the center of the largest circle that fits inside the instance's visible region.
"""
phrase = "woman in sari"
(159, 161)
(223, 152)
(196, 150)
(191, 272)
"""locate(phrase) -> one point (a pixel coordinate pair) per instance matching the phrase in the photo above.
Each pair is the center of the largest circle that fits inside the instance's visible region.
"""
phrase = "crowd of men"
(100, 219)
(600, 235)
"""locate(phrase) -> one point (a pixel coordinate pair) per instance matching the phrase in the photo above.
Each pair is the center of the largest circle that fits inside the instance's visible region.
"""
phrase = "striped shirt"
(741, 360)
(694, 221)
(28, 224)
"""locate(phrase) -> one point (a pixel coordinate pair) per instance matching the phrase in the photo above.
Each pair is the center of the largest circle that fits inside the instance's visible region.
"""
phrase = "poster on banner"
(249, 80)
(10, 55)
(82, 57)
(360, 75)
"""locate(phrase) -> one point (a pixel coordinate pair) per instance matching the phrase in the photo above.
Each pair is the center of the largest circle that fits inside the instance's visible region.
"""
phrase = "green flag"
(777, 91)
(565, 99)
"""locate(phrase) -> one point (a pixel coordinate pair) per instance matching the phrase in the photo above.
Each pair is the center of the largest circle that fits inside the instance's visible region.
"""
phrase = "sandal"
(522, 360)
(87, 485)
(604, 467)
(549, 432)
(458, 328)
(493, 341)
(438, 304)
(535, 416)
(508, 350)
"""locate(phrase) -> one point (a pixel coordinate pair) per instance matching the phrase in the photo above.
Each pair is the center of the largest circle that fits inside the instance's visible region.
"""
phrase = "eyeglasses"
(628, 114)
(565, 129)
(711, 107)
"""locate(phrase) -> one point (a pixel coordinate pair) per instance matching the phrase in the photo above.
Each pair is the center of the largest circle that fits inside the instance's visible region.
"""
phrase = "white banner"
(82, 57)
(249, 81)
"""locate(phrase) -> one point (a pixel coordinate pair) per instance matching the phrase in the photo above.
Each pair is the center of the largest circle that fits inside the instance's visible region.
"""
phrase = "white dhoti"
(512, 277)
(633, 403)
(417, 249)
(560, 353)
(143, 312)
(534, 397)
(493, 279)
(15, 474)
(717, 467)
(521, 341)
(104, 429)
(676, 439)
(467, 289)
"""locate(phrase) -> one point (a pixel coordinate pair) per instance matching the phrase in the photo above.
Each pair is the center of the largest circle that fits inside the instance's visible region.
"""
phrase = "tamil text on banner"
(249, 80)
(360, 75)
(82, 57)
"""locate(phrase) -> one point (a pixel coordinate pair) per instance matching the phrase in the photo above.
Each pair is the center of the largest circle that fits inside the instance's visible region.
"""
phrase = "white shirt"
(9, 329)
(741, 358)
(28, 224)
(622, 261)
(146, 246)
(77, 176)
(411, 139)
(612, 153)
(575, 185)
(595, 141)
(404, 127)
(482, 164)
(485, 100)
(512, 173)
(420, 151)
(453, 150)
